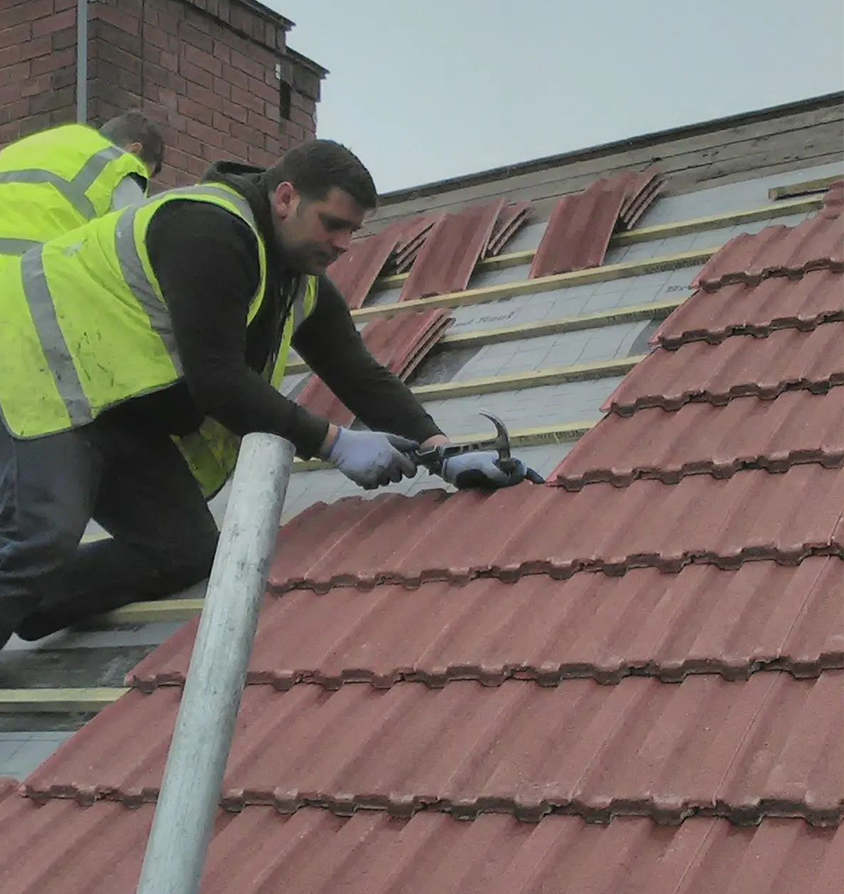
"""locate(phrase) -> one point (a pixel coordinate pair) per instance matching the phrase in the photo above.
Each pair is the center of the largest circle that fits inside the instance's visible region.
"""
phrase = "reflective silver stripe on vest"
(52, 338)
(94, 167)
(73, 190)
(141, 287)
(209, 189)
(17, 247)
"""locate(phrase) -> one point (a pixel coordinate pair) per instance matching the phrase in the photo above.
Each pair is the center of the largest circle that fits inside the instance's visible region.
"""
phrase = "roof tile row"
(766, 366)
(546, 530)
(739, 309)
(763, 616)
(767, 746)
(747, 433)
(262, 852)
(817, 243)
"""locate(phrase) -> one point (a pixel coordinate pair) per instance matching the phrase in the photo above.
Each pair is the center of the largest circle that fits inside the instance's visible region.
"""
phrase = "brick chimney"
(217, 75)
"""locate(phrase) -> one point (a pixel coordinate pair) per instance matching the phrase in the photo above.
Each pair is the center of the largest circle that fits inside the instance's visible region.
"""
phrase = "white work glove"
(482, 469)
(372, 458)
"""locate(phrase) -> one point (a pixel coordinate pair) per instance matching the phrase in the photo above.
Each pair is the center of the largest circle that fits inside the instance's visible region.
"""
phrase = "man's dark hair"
(135, 127)
(314, 167)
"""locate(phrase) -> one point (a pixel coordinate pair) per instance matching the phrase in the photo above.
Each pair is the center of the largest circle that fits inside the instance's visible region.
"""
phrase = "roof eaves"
(639, 142)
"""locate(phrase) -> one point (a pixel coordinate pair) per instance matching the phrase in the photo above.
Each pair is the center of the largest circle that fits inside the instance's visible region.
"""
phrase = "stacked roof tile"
(582, 225)
(630, 681)
(509, 220)
(400, 343)
(455, 244)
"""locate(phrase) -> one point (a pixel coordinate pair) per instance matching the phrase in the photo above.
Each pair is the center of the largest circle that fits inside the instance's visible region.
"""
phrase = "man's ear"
(135, 148)
(284, 200)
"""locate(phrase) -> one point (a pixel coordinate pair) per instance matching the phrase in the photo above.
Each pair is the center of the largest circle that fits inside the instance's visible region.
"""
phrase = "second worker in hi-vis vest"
(137, 349)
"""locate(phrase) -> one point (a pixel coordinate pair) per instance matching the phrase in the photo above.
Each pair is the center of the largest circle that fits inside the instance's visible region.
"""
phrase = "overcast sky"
(427, 89)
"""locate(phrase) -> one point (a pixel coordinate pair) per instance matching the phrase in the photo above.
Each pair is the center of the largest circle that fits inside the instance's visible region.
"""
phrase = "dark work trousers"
(135, 484)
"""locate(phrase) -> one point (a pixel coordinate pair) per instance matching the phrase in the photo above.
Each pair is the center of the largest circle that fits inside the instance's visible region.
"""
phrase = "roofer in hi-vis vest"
(58, 179)
(137, 349)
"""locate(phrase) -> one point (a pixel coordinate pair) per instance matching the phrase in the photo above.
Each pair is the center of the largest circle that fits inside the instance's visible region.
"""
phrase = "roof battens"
(656, 310)
(647, 234)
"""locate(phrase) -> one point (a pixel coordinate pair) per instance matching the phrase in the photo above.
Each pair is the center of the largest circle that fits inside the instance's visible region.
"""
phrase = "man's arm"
(329, 343)
(206, 263)
(332, 347)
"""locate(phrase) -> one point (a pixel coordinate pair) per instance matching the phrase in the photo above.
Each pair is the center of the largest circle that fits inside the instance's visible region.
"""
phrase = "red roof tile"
(579, 230)
(768, 746)
(581, 225)
(414, 232)
(400, 343)
(262, 851)
(796, 427)
(833, 202)
(7, 787)
(437, 536)
(815, 244)
(509, 220)
(785, 360)
(641, 190)
(455, 244)
(355, 272)
(702, 620)
(738, 309)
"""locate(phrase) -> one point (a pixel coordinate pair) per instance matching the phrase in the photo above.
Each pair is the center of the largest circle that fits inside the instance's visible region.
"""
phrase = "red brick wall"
(37, 65)
(215, 74)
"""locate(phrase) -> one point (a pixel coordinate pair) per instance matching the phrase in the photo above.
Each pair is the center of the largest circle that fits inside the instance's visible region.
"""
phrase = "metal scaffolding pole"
(193, 776)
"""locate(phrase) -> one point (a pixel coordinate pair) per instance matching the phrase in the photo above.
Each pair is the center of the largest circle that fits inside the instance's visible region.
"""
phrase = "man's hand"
(371, 458)
(482, 469)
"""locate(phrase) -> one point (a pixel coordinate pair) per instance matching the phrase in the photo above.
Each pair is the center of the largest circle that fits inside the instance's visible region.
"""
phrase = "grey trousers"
(135, 484)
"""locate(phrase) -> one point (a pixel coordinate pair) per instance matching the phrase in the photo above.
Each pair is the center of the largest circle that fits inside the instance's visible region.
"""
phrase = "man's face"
(312, 234)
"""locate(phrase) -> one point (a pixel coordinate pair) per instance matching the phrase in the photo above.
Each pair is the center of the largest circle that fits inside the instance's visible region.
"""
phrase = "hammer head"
(501, 443)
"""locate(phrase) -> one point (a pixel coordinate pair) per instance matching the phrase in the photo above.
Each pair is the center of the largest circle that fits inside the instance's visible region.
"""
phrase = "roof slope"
(509, 660)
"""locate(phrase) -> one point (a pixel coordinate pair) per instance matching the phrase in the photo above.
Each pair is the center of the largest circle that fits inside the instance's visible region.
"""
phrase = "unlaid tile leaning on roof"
(581, 226)
(455, 244)
(400, 343)
(355, 272)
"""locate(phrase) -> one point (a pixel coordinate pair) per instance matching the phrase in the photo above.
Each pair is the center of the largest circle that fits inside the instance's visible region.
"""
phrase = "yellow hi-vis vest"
(57, 180)
(84, 327)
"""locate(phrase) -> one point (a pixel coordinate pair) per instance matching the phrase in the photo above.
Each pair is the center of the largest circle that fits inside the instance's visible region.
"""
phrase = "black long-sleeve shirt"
(206, 262)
